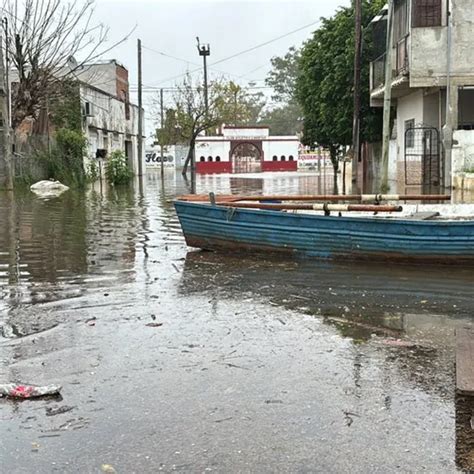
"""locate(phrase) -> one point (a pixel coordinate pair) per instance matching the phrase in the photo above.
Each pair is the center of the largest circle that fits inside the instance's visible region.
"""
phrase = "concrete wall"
(212, 148)
(463, 151)
(101, 75)
(428, 50)
(107, 127)
(284, 147)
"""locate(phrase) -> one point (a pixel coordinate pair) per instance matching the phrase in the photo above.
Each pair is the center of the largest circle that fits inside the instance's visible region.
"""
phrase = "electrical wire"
(245, 51)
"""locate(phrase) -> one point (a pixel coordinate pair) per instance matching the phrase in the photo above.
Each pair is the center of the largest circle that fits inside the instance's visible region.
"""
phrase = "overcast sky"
(229, 26)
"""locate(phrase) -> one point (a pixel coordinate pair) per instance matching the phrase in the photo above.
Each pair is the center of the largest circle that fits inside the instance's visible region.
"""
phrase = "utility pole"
(387, 101)
(204, 51)
(357, 61)
(6, 148)
(451, 98)
(140, 110)
(162, 132)
(7, 72)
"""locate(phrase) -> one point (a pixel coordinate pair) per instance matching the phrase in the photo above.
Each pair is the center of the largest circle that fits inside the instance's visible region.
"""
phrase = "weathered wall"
(463, 151)
(101, 75)
(428, 50)
(282, 147)
(108, 127)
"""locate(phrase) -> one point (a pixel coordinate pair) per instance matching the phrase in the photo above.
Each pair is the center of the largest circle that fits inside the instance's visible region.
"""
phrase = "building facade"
(110, 121)
(246, 150)
(432, 42)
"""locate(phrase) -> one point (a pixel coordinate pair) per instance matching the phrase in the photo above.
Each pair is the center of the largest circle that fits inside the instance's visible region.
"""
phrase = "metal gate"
(423, 157)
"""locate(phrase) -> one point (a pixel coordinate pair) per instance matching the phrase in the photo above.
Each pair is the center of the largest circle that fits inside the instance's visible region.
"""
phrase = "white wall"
(108, 127)
(212, 148)
(463, 150)
(279, 148)
(408, 107)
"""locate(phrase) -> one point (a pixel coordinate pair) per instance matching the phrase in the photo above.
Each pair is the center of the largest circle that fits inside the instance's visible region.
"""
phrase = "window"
(291, 158)
(409, 133)
(218, 158)
(275, 158)
(283, 158)
(209, 158)
(426, 13)
(202, 158)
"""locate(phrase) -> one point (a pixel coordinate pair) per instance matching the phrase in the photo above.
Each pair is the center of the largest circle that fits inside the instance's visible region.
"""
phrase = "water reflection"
(128, 241)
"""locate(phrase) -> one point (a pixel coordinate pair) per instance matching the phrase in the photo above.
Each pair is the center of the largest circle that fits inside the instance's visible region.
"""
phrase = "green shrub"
(64, 160)
(116, 169)
(92, 173)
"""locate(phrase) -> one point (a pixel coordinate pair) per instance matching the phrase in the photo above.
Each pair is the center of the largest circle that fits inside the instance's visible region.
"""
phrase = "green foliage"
(229, 103)
(117, 170)
(92, 174)
(325, 82)
(286, 118)
(282, 77)
(65, 106)
(64, 160)
(283, 120)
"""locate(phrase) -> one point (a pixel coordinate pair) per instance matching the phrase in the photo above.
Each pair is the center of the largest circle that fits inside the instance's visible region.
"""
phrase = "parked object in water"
(15, 390)
(48, 189)
(415, 233)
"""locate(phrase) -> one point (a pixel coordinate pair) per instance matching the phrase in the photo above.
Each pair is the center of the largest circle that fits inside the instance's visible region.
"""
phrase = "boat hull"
(216, 227)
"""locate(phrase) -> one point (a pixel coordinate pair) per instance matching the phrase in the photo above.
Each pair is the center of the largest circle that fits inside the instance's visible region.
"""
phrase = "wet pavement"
(173, 359)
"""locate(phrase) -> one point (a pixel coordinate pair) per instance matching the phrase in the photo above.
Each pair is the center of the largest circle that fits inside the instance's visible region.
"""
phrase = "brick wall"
(123, 91)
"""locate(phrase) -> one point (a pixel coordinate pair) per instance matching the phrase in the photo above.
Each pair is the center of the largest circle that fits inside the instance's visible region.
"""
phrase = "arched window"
(291, 158)
(283, 158)
(218, 158)
(275, 158)
(209, 158)
(202, 158)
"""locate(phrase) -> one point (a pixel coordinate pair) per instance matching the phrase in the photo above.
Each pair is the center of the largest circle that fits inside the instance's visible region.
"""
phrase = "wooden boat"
(423, 232)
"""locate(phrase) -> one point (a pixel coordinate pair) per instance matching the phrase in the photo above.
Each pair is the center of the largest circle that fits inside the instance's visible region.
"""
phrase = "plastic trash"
(15, 390)
(48, 189)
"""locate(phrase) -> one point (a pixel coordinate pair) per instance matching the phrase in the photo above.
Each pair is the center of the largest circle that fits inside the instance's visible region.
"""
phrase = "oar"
(314, 207)
(321, 197)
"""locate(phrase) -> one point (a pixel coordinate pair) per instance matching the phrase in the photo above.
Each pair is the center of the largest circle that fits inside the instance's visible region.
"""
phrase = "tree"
(285, 117)
(46, 36)
(229, 103)
(325, 83)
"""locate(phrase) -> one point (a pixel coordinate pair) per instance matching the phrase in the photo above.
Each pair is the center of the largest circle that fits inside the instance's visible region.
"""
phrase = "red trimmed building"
(246, 150)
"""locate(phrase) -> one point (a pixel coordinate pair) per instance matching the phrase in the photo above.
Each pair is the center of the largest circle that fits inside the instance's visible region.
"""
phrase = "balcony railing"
(400, 68)
(402, 57)
(378, 72)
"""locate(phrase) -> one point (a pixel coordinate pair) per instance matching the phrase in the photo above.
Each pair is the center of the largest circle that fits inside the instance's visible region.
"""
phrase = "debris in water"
(50, 411)
(398, 343)
(14, 390)
(154, 325)
(48, 189)
(108, 468)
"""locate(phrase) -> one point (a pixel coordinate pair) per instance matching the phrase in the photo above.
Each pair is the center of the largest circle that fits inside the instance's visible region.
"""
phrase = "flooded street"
(172, 359)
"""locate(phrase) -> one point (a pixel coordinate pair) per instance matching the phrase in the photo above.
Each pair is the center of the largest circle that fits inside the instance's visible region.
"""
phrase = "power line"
(253, 48)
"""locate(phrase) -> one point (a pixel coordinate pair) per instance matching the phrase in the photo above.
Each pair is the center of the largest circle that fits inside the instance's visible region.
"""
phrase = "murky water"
(261, 364)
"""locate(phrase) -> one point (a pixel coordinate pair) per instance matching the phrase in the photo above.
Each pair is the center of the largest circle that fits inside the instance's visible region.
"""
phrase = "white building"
(110, 121)
(246, 150)
(426, 50)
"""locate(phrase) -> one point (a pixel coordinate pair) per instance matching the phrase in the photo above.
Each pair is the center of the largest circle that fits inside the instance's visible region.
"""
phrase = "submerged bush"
(64, 160)
(117, 170)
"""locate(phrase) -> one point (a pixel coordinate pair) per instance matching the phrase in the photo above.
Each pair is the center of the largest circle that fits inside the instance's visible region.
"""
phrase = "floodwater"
(260, 364)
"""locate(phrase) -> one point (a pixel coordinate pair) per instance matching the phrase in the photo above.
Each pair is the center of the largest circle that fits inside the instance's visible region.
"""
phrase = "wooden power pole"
(387, 100)
(357, 67)
(6, 148)
(162, 132)
(140, 110)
